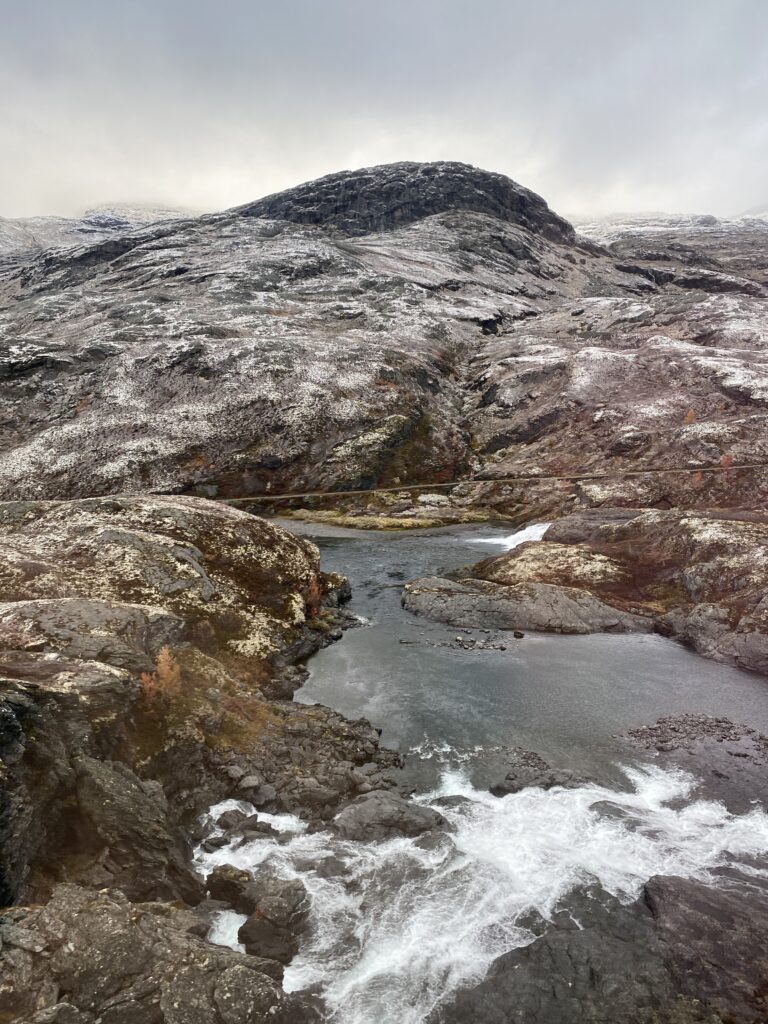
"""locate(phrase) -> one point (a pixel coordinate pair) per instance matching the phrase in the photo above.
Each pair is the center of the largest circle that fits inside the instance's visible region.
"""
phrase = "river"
(564, 697)
(407, 923)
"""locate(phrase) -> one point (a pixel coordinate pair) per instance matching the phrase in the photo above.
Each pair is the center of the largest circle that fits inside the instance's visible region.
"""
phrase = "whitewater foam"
(410, 922)
(445, 754)
(534, 531)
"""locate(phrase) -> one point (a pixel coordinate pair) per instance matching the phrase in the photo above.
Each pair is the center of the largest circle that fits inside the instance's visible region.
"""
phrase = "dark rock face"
(90, 956)
(66, 809)
(383, 815)
(610, 966)
(278, 911)
(716, 943)
(129, 819)
(395, 195)
(514, 781)
(699, 955)
(125, 635)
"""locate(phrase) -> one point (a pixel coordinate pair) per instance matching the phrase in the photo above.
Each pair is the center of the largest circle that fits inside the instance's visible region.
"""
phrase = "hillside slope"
(412, 322)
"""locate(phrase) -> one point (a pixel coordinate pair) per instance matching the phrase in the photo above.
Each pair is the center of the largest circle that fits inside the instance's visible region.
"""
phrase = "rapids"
(406, 923)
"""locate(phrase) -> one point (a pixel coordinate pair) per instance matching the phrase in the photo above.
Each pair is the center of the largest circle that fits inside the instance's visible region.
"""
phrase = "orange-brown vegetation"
(160, 687)
(313, 598)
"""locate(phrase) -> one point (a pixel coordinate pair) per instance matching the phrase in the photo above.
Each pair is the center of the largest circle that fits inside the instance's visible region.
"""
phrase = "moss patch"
(384, 522)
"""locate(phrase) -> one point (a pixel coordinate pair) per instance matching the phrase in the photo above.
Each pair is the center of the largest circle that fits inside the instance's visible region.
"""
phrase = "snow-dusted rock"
(250, 350)
(411, 322)
(25, 235)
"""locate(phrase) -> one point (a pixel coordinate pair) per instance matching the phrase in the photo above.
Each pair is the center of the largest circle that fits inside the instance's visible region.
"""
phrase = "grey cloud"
(597, 104)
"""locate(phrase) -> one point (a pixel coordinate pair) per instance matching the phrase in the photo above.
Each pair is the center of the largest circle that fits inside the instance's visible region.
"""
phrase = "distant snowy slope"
(612, 227)
(28, 234)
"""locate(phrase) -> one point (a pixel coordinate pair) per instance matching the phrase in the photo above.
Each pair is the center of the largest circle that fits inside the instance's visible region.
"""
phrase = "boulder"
(384, 815)
(229, 884)
(231, 819)
(522, 778)
(278, 916)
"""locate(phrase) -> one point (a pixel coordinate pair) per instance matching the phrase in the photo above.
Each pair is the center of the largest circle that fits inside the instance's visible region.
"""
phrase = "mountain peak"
(393, 195)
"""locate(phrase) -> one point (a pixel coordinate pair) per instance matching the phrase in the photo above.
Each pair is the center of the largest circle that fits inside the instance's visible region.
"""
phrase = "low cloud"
(599, 105)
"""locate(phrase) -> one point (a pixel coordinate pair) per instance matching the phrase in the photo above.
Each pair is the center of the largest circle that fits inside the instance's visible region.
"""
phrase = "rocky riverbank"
(700, 577)
(143, 643)
(147, 645)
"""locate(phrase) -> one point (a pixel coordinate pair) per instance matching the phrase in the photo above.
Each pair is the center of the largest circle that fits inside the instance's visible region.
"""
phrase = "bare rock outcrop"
(698, 576)
(382, 815)
(685, 953)
(137, 637)
(394, 195)
(89, 956)
(147, 572)
(536, 606)
(715, 942)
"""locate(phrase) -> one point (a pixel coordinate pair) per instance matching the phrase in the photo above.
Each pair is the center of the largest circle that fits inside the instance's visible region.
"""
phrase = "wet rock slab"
(726, 760)
(684, 953)
(526, 768)
(537, 606)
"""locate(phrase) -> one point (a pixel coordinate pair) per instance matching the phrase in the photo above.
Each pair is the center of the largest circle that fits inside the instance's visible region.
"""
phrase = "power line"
(523, 478)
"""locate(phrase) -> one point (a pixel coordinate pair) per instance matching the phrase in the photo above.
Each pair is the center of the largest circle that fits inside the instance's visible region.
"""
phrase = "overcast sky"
(599, 105)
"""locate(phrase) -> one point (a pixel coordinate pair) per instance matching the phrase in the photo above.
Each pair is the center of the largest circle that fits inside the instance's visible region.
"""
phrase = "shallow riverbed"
(566, 698)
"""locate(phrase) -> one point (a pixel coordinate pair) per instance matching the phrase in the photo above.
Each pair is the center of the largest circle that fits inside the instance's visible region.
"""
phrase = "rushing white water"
(411, 921)
(534, 531)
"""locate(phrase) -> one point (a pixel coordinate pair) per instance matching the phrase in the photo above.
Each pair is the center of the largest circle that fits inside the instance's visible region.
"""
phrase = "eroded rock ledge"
(142, 643)
(698, 576)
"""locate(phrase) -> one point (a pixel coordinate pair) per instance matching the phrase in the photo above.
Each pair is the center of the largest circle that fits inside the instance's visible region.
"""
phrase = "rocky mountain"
(413, 322)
